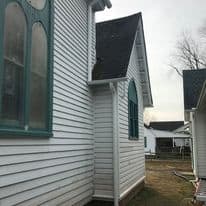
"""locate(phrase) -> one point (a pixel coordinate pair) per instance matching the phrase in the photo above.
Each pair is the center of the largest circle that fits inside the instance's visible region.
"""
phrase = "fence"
(181, 153)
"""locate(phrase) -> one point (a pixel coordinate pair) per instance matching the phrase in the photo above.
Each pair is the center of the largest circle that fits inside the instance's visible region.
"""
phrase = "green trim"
(46, 17)
(51, 68)
(2, 14)
(18, 132)
(133, 113)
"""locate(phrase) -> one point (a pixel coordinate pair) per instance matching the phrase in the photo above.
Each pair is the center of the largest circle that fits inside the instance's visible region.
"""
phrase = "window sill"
(23, 133)
(134, 138)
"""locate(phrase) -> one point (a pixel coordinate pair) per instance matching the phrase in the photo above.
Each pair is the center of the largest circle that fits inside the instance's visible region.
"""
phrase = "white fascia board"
(106, 81)
(146, 68)
(202, 97)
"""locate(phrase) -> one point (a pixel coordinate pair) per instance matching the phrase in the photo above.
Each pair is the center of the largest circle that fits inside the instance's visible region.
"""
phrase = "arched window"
(133, 111)
(15, 31)
(38, 74)
(25, 69)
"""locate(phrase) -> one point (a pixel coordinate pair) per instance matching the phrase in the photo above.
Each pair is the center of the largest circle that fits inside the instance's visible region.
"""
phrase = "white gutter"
(114, 90)
(107, 81)
(90, 35)
(194, 142)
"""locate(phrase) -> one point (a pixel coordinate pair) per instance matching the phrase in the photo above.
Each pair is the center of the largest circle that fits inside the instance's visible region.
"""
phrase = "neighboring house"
(195, 112)
(164, 141)
(69, 134)
(185, 129)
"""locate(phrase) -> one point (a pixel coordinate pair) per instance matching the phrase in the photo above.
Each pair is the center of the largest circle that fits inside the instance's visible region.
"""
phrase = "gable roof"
(114, 43)
(193, 81)
(166, 125)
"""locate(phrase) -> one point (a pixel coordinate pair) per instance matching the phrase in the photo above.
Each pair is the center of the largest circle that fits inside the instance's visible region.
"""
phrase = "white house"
(156, 140)
(195, 112)
(65, 138)
(121, 90)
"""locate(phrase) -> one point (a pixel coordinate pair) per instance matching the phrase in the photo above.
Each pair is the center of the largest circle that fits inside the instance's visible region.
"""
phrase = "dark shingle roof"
(193, 81)
(166, 125)
(114, 42)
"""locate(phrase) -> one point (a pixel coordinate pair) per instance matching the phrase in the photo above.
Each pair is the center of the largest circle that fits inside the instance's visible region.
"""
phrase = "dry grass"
(163, 188)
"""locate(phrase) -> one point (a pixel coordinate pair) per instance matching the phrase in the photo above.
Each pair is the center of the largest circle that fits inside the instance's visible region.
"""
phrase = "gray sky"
(164, 20)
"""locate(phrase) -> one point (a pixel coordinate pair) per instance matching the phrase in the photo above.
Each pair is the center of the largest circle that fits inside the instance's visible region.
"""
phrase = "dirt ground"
(163, 188)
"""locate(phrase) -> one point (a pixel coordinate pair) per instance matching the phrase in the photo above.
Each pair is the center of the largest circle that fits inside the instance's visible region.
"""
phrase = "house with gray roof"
(121, 90)
(71, 127)
(194, 84)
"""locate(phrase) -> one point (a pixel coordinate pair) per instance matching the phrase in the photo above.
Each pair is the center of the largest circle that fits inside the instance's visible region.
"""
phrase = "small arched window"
(133, 111)
(25, 69)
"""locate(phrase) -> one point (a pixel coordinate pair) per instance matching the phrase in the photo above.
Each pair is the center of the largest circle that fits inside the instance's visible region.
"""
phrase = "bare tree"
(190, 53)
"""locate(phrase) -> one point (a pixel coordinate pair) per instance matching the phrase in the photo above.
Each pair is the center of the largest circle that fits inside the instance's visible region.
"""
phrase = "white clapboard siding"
(59, 170)
(200, 131)
(132, 166)
(103, 132)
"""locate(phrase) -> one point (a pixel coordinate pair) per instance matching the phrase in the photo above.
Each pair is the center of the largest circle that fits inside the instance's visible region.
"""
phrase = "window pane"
(14, 44)
(145, 142)
(131, 127)
(135, 128)
(37, 4)
(38, 84)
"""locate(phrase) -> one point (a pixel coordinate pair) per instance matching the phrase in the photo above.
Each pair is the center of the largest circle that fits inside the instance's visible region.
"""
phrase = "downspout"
(90, 37)
(194, 141)
(114, 90)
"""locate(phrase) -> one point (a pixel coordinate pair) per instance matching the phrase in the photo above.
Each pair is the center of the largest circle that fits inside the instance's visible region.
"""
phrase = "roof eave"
(202, 97)
(145, 70)
(99, 5)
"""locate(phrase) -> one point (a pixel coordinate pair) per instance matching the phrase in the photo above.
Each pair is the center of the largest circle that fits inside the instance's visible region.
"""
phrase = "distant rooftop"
(193, 81)
(166, 125)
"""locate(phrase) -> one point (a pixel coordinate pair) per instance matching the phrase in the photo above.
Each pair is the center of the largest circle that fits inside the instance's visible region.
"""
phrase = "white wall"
(132, 160)
(103, 133)
(200, 143)
(151, 141)
(57, 170)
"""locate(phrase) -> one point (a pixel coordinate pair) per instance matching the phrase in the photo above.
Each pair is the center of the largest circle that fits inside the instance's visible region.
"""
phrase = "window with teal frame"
(26, 67)
(133, 111)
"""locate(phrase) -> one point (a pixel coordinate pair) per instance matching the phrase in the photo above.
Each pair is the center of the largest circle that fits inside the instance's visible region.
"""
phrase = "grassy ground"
(163, 188)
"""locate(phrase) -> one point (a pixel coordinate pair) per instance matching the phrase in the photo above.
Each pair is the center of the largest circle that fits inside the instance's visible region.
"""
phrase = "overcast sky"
(164, 20)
